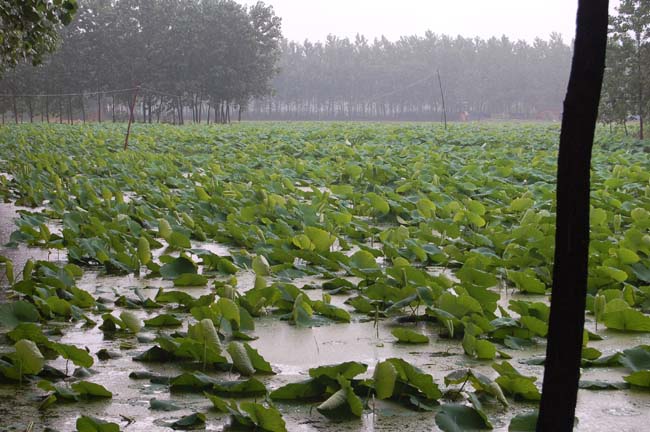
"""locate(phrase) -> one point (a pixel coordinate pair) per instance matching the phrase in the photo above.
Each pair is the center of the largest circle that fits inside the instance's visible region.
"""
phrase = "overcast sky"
(517, 19)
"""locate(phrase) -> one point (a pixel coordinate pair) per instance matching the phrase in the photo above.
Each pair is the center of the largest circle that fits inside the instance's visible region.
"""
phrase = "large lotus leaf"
(177, 267)
(347, 370)
(384, 377)
(405, 335)
(304, 390)
(460, 418)
(92, 424)
(12, 314)
(265, 418)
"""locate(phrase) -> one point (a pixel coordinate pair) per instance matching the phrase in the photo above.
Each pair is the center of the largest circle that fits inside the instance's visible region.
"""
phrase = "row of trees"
(205, 54)
(206, 57)
(358, 79)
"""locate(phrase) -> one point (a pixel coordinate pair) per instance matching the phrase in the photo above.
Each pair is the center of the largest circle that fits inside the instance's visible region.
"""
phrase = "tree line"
(358, 79)
(197, 57)
(213, 60)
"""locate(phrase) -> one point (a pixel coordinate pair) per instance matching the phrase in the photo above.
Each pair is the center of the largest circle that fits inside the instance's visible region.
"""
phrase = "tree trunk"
(200, 101)
(113, 108)
(159, 111)
(70, 109)
(47, 109)
(99, 107)
(639, 76)
(31, 111)
(15, 110)
(83, 110)
(566, 325)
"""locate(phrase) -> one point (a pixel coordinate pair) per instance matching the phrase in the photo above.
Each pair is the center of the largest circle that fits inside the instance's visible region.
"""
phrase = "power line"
(399, 90)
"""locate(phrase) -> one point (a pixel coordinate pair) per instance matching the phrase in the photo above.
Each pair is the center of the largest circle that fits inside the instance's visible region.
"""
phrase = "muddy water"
(292, 351)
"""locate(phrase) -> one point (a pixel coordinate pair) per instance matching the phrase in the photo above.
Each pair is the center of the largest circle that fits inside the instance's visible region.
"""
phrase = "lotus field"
(308, 276)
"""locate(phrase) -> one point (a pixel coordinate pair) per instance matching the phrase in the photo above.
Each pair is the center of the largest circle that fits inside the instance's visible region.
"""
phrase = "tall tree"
(568, 296)
(615, 103)
(631, 29)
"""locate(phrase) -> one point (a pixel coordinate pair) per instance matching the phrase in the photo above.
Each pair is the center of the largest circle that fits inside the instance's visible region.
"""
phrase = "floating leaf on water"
(457, 418)
(189, 422)
(405, 335)
(162, 405)
(526, 422)
(190, 280)
(89, 389)
(177, 267)
(347, 370)
(265, 418)
(93, 424)
(602, 385)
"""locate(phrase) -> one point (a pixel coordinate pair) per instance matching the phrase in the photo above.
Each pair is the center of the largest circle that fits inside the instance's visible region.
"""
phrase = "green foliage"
(93, 424)
(457, 418)
(419, 262)
(409, 336)
(30, 28)
(385, 377)
(12, 314)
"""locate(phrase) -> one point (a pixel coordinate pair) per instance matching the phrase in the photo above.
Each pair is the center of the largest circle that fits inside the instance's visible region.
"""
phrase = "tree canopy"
(358, 79)
(30, 29)
(212, 50)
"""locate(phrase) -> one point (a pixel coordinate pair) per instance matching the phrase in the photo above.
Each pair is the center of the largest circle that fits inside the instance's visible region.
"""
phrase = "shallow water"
(291, 351)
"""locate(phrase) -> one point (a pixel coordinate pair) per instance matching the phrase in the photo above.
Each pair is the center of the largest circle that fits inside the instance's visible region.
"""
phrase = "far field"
(208, 272)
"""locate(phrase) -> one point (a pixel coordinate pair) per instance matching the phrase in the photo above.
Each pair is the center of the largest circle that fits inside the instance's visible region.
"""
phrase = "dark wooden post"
(181, 119)
(442, 97)
(566, 325)
(131, 109)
